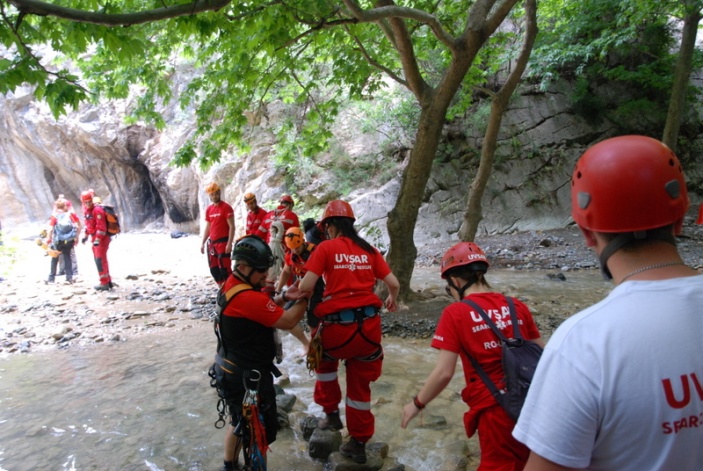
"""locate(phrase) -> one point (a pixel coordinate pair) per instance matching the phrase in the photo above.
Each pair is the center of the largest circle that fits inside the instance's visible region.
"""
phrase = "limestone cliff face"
(128, 166)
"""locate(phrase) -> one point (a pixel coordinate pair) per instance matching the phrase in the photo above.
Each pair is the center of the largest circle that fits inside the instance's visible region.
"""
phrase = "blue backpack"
(64, 230)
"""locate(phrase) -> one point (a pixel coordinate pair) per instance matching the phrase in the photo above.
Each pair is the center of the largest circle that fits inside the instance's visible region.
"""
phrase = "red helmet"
(87, 195)
(463, 253)
(337, 208)
(628, 184)
(287, 199)
(294, 238)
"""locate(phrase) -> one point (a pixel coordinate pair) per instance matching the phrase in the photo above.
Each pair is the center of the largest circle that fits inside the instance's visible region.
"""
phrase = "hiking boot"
(113, 285)
(354, 450)
(331, 421)
(102, 287)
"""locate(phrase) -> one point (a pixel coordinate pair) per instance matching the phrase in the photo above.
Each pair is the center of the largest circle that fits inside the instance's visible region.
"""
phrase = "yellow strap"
(236, 289)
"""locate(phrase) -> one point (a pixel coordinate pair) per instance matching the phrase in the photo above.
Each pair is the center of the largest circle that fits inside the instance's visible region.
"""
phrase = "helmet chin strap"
(623, 239)
(461, 290)
(246, 278)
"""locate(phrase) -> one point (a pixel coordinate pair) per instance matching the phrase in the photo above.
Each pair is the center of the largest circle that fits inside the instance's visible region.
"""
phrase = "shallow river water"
(146, 404)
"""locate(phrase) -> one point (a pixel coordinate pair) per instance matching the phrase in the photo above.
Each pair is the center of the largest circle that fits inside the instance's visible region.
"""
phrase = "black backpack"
(519, 359)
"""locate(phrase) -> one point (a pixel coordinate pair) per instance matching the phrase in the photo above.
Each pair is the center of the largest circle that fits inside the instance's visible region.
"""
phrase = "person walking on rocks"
(218, 235)
(255, 216)
(96, 230)
(350, 324)
(463, 333)
(246, 346)
(619, 386)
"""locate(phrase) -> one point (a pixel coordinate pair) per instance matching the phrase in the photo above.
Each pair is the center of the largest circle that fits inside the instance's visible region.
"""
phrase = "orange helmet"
(249, 197)
(337, 208)
(628, 184)
(287, 199)
(212, 188)
(294, 238)
(87, 195)
(463, 253)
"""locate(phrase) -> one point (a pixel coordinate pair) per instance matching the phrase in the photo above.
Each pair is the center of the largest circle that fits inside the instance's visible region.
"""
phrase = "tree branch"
(30, 53)
(376, 64)
(386, 12)
(36, 7)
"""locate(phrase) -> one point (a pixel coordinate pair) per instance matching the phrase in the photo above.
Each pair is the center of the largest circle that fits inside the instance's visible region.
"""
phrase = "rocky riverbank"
(164, 285)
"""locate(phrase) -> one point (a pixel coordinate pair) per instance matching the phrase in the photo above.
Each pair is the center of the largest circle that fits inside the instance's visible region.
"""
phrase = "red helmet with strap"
(287, 199)
(337, 208)
(463, 253)
(628, 184)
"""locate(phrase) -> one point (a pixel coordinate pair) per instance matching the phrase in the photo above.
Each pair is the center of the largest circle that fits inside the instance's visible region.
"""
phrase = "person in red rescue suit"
(350, 325)
(96, 230)
(461, 332)
(218, 235)
(255, 216)
(284, 213)
(245, 331)
(293, 271)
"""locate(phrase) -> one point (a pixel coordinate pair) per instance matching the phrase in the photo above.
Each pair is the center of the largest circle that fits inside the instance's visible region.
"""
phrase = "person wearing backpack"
(96, 230)
(64, 227)
(74, 261)
(463, 333)
(620, 384)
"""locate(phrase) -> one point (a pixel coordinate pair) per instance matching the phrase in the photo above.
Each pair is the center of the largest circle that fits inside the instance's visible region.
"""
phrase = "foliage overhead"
(241, 55)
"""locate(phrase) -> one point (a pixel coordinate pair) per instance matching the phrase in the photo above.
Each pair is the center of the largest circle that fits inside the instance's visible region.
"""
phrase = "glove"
(96, 242)
(84, 240)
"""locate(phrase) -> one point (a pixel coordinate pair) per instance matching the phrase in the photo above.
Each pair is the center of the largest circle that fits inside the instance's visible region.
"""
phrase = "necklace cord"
(651, 267)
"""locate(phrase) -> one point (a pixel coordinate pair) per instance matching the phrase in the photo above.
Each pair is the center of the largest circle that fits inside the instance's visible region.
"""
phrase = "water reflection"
(146, 404)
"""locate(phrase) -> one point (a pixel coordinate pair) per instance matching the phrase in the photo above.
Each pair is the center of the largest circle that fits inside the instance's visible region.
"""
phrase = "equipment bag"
(519, 360)
(113, 221)
(64, 230)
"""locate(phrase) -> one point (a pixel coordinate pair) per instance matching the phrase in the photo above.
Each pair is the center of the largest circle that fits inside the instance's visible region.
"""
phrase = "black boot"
(354, 450)
(331, 421)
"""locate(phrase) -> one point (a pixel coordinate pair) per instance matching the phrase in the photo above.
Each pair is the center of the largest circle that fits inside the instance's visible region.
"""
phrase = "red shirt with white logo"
(217, 214)
(350, 274)
(461, 330)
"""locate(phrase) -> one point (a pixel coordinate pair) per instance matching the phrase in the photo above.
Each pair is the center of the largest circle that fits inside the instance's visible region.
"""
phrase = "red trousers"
(499, 449)
(220, 261)
(100, 256)
(354, 345)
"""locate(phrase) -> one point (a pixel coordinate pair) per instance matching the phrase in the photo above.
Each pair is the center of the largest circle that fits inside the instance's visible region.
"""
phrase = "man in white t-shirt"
(620, 384)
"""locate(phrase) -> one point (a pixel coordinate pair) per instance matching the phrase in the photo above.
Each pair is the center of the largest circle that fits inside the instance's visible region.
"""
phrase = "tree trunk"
(403, 216)
(474, 211)
(682, 73)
